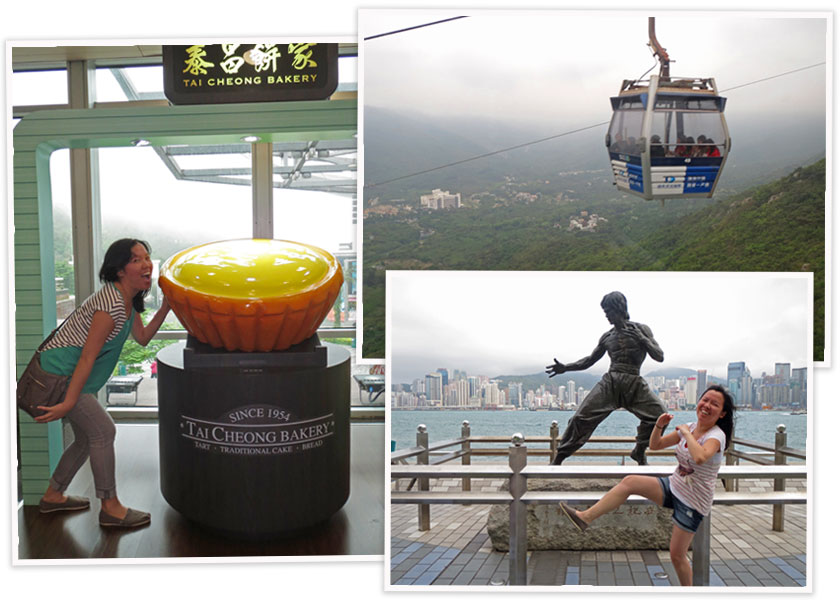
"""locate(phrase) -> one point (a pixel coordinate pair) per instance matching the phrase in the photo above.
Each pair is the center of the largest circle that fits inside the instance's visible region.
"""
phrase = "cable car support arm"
(659, 51)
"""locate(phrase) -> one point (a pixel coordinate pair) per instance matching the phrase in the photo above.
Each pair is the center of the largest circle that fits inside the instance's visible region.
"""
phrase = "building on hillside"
(439, 199)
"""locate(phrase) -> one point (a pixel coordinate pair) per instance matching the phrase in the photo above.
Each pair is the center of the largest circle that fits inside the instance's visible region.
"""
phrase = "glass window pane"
(314, 203)
(348, 72)
(31, 88)
(705, 124)
(65, 285)
(625, 130)
(324, 220)
(129, 83)
(147, 79)
(689, 133)
(141, 198)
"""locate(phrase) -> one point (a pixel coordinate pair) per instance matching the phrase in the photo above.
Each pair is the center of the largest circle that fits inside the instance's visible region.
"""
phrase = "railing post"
(779, 483)
(466, 482)
(423, 518)
(554, 433)
(701, 548)
(729, 484)
(518, 542)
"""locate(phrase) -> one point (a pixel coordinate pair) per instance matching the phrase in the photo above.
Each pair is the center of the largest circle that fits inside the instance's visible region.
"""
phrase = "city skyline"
(784, 387)
(516, 323)
(595, 372)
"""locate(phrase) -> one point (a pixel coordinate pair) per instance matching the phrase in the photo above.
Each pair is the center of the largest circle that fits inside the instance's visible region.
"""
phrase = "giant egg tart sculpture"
(253, 410)
(251, 294)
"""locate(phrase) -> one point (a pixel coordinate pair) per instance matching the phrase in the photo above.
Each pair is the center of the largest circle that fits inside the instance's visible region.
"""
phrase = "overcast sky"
(511, 323)
(559, 68)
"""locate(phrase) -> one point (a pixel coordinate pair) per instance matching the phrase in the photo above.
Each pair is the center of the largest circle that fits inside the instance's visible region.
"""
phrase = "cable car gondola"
(667, 137)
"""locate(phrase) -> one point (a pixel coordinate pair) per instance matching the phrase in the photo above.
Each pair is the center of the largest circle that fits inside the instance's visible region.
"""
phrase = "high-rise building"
(690, 394)
(549, 399)
(491, 393)
(570, 388)
(418, 387)
(783, 370)
(439, 199)
(530, 398)
(463, 388)
(472, 381)
(799, 387)
(701, 384)
(739, 383)
(773, 393)
(434, 388)
(444, 374)
(515, 394)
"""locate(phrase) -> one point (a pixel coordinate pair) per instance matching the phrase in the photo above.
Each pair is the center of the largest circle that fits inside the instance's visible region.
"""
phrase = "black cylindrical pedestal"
(254, 450)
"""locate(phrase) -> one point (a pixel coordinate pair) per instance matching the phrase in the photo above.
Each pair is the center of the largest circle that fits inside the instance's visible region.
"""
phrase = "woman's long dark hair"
(727, 421)
(116, 258)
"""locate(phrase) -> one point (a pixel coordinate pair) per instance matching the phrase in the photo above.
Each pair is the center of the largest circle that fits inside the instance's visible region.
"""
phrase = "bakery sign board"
(222, 73)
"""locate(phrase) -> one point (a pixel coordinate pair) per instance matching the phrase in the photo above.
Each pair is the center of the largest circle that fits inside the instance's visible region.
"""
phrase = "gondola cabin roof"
(684, 93)
(693, 85)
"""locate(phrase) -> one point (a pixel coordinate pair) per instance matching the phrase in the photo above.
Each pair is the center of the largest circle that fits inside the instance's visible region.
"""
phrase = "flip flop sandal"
(579, 523)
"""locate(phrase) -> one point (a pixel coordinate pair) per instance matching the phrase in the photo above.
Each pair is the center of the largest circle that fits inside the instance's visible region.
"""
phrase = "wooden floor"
(357, 529)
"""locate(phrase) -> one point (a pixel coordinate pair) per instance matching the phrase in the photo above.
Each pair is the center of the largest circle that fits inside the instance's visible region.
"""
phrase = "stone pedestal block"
(630, 527)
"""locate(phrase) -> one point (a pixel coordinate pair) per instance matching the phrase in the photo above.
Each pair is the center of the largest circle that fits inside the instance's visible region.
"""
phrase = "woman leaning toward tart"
(87, 348)
(689, 490)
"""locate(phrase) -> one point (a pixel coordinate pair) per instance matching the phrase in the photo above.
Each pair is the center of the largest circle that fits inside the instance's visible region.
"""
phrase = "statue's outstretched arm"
(579, 365)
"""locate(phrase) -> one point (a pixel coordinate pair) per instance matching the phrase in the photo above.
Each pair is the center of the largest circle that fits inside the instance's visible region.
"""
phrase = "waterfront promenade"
(745, 551)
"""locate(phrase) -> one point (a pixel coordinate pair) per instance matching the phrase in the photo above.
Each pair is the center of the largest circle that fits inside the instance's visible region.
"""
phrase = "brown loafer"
(72, 503)
(133, 518)
(579, 523)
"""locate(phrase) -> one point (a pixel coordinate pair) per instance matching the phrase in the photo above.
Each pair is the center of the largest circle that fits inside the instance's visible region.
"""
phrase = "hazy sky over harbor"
(514, 323)
(560, 67)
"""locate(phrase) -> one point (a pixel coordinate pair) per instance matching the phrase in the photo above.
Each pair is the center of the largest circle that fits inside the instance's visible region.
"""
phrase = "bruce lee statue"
(628, 344)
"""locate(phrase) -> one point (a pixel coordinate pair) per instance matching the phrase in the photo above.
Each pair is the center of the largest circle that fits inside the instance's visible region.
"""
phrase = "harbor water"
(757, 426)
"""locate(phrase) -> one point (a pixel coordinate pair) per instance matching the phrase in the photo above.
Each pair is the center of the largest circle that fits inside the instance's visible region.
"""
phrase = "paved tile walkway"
(745, 551)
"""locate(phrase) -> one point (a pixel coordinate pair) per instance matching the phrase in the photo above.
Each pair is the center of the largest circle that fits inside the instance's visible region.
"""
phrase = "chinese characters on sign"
(208, 74)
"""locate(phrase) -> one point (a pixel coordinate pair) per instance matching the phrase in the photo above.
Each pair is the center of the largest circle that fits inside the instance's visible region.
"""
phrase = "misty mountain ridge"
(759, 152)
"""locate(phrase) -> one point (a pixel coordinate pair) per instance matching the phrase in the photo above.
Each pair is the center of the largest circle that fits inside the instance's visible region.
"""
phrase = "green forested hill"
(779, 226)
(776, 227)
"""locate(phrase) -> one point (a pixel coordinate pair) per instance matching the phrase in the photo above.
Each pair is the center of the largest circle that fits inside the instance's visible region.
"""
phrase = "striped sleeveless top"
(75, 330)
(695, 484)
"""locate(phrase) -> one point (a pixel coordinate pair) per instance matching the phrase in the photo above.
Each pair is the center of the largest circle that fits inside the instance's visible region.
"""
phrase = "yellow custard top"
(250, 269)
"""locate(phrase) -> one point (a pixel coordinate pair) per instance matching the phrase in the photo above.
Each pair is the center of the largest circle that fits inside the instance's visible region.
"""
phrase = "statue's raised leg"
(596, 407)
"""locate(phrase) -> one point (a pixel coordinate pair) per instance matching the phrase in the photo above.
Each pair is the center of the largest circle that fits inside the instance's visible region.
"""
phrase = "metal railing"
(517, 472)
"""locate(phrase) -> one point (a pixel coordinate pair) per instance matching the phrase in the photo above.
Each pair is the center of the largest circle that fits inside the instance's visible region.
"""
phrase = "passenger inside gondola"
(657, 150)
(685, 147)
(701, 149)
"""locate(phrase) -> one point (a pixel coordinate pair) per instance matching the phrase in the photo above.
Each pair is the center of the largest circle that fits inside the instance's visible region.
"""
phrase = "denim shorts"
(684, 517)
